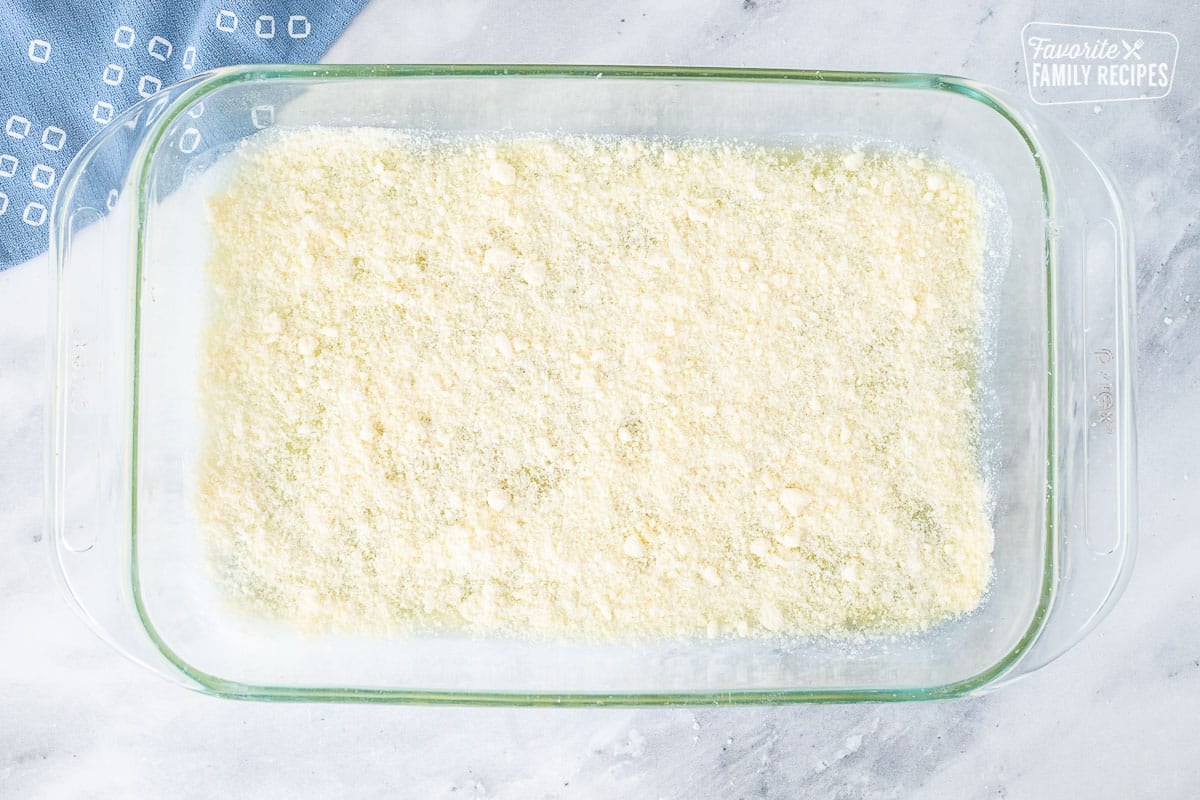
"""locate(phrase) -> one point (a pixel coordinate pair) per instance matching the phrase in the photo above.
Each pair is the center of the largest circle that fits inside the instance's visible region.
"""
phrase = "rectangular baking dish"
(128, 251)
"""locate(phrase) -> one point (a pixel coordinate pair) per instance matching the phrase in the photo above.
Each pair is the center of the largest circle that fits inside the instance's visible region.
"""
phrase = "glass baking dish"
(1057, 444)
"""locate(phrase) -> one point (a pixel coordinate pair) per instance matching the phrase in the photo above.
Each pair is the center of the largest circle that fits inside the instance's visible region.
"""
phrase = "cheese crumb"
(498, 500)
(633, 546)
(648, 389)
(793, 500)
(770, 616)
(502, 172)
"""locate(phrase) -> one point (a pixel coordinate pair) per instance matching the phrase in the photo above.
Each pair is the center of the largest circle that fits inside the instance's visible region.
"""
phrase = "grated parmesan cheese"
(594, 387)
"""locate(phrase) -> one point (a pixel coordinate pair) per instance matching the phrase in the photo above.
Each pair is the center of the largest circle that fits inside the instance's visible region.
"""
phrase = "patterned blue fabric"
(67, 68)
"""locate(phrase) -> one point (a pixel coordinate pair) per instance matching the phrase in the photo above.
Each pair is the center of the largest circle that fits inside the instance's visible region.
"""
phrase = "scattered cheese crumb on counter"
(587, 387)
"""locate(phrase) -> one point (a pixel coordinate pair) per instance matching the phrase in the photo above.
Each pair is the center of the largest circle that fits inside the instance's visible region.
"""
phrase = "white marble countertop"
(1115, 717)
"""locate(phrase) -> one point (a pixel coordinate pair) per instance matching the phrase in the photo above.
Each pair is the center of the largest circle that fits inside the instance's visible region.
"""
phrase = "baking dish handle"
(1094, 503)
(88, 499)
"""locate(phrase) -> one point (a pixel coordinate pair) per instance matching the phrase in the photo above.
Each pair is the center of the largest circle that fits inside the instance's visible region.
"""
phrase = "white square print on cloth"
(17, 127)
(70, 77)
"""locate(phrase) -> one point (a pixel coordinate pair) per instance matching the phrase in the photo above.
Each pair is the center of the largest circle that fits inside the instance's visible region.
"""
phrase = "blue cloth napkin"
(67, 68)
